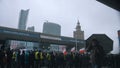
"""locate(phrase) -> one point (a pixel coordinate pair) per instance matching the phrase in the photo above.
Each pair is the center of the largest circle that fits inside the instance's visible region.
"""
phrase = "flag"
(64, 51)
(73, 49)
(82, 51)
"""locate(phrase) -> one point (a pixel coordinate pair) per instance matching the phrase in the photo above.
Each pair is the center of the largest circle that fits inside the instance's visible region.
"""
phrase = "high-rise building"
(78, 34)
(31, 28)
(51, 28)
(23, 19)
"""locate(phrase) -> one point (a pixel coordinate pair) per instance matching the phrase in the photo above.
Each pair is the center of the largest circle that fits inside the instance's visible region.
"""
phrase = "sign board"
(50, 37)
(68, 39)
(54, 47)
(59, 48)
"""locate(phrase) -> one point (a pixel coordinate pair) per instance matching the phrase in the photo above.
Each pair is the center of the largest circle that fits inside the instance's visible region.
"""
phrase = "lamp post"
(76, 45)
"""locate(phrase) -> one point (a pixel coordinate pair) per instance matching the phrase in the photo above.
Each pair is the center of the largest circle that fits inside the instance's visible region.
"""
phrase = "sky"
(94, 17)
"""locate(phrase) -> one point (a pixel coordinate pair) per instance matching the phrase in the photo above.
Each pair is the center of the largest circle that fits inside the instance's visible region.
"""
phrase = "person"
(48, 57)
(14, 58)
(26, 62)
(18, 59)
(31, 59)
(41, 58)
(36, 59)
(96, 53)
(23, 59)
(9, 58)
(2, 59)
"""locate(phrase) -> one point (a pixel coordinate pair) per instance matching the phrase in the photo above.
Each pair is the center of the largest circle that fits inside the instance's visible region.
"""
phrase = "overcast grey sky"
(94, 17)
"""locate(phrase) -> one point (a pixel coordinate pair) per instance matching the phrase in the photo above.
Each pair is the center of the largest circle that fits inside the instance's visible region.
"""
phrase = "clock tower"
(78, 33)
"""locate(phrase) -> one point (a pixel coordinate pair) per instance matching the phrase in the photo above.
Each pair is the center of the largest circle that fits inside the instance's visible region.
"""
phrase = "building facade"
(23, 19)
(30, 45)
(78, 33)
(51, 28)
(36, 37)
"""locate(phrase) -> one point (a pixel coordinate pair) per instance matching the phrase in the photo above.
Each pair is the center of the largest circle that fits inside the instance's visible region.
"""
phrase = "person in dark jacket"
(23, 59)
(97, 54)
(26, 59)
(18, 59)
(9, 58)
(31, 59)
(52, 60)
(2, 55)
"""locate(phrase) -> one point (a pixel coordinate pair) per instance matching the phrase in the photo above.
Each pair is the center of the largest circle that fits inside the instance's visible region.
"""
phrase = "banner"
(73, 49)
(54, 47)
(64, 51)
(82, 50)
(61, 48)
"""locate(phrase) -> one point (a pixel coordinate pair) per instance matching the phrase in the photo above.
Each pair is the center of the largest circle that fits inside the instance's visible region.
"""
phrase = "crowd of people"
(93, 58)
(39, 59)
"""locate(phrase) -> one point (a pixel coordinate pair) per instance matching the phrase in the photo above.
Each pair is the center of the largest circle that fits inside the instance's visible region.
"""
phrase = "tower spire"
(78, 27)
(78, 33)
(78, 23)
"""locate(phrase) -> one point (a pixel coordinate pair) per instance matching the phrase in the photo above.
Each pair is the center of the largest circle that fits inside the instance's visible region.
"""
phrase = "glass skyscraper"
(51, 28)
(23, 19)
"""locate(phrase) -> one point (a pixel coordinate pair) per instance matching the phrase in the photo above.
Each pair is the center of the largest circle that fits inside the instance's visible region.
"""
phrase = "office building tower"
(23, 19)
(51, 28)
(31, 28)
(78, 34)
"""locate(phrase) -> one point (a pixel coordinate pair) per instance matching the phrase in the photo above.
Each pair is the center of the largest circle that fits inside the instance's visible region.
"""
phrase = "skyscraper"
(78, 34)
(31, 28)
(51, 28)
(23, 19)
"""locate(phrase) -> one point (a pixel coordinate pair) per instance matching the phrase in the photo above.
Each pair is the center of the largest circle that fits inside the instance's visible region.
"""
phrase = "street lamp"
(76, 44)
